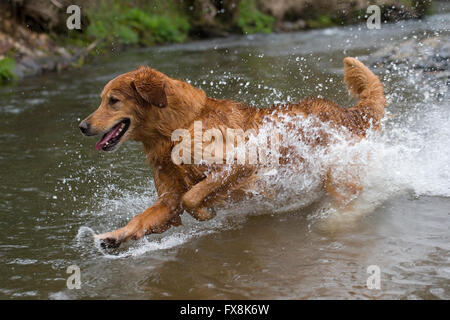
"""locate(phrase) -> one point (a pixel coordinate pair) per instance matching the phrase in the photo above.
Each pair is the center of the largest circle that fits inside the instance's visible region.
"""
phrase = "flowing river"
(57, 190)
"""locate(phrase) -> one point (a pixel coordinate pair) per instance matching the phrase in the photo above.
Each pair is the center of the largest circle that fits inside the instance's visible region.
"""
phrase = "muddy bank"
(34, 37)
(35, 53)
(27, 49)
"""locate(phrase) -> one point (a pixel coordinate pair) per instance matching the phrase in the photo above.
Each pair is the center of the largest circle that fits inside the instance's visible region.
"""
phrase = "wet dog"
(147, 106)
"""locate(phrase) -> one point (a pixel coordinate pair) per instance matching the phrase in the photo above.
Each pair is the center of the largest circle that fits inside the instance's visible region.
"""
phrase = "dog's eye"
(113, 100)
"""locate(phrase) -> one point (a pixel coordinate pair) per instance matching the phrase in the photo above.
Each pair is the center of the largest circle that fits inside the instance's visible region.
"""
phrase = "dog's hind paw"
(203, 213)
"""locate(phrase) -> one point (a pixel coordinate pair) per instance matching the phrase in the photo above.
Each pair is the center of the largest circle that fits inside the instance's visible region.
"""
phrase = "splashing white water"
(411, 154)
(405, 157)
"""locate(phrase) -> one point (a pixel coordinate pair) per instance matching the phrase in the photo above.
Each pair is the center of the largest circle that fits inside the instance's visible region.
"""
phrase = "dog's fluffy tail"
(362, 83)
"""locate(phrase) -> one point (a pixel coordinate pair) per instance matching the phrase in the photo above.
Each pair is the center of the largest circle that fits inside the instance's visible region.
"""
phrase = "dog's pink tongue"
(99, 145)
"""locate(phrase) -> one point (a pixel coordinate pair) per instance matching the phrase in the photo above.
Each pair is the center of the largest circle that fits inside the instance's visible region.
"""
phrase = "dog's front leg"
(156, 219)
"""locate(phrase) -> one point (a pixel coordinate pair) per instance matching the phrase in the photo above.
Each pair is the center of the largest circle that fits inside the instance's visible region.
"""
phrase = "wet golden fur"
(157, 105)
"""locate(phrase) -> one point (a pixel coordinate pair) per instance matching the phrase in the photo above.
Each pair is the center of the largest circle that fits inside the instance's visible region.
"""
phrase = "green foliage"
(6, 69)
(115, 21)
(156, 29)
(420, 7)
(251, 20)
(322, 21)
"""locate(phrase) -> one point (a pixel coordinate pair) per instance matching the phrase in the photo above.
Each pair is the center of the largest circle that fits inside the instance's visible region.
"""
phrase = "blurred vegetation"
(318, 16)
(321, 21)
(118, 22)
(251, 20)
(421, 7)
(148, 22)
(6, 69)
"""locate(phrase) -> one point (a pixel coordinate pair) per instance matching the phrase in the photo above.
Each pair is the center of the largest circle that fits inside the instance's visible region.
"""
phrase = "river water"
(57, 190)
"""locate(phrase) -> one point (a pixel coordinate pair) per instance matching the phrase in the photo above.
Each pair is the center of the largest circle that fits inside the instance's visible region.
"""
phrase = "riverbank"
(34, 37)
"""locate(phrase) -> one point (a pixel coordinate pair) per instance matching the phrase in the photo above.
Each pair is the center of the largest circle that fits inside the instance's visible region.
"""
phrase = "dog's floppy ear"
(150, 86)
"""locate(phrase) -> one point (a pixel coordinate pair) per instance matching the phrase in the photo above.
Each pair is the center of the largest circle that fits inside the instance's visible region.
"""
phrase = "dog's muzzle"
(85, 128)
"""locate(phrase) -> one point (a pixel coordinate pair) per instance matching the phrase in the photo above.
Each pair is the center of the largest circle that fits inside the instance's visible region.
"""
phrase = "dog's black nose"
(84, 127)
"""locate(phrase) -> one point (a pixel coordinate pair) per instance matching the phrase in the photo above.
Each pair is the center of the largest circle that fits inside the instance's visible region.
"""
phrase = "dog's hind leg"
(343, 190)
(193, 200)
(347, 206)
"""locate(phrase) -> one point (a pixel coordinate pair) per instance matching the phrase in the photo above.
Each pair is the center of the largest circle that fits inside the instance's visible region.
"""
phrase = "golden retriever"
(147, 106)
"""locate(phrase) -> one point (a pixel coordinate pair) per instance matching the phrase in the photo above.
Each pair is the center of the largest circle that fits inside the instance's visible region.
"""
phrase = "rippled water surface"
(57, 190)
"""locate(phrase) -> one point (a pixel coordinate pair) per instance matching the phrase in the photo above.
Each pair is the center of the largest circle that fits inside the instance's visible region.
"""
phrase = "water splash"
(410, 155)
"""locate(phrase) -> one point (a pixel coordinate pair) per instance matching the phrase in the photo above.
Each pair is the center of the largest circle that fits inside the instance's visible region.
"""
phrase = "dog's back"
(367, 113)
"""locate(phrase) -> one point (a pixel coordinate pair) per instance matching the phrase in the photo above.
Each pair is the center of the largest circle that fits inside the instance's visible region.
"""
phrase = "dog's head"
(129, 102)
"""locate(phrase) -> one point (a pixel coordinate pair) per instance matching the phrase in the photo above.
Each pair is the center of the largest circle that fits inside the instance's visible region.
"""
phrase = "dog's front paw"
(115, 238)
(109, 243)
(108, 240)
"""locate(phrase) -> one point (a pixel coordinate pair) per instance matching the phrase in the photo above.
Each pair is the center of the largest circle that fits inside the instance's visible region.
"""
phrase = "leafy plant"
(154, 28)
(6, 69)
(251, 20)
(116, 21)
(322, 21)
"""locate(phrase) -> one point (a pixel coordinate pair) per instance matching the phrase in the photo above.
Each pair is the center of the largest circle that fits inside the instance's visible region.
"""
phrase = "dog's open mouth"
(111, 138)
